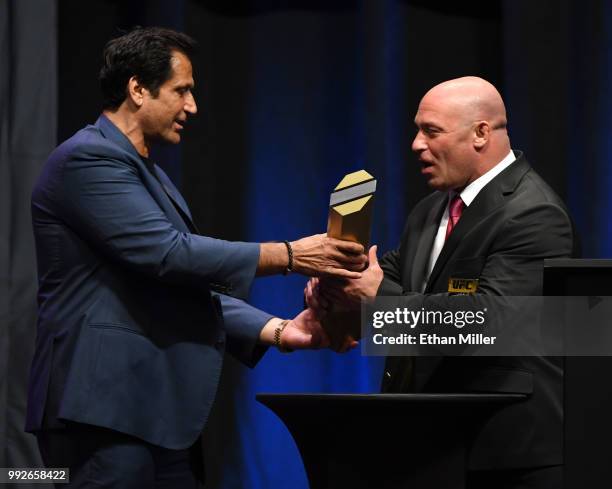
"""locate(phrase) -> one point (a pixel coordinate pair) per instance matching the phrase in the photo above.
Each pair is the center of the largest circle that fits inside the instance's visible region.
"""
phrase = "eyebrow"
(427, 124)
(185, 86)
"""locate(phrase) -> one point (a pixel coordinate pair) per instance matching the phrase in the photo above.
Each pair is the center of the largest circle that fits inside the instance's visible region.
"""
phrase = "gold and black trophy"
(350, 218)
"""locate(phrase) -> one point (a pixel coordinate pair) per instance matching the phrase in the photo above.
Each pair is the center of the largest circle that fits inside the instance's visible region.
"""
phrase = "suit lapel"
(428, 235)
(175, 197)
(487, 200)
(154, 186)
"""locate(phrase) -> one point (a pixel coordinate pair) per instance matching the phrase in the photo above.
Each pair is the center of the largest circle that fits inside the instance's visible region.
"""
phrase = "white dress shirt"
(468, 194)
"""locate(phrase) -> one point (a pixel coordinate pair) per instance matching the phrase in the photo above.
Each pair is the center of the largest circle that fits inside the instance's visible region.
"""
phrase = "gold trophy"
(350, 218)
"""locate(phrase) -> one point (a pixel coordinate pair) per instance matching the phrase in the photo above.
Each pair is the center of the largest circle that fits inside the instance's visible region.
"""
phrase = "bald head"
(462, 132)
(469, 99)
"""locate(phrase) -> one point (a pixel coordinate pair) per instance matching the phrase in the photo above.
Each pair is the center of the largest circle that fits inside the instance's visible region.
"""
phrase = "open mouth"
(426, 166)
(179, 125)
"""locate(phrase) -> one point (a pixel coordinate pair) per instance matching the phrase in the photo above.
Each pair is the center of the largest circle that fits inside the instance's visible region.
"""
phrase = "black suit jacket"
(502, 238)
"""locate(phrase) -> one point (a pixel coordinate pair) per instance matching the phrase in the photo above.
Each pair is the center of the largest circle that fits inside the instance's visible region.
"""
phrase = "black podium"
(385, 441)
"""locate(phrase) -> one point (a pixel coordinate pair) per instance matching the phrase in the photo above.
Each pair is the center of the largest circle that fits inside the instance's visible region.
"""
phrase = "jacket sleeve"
(104, 201)
(391, 283)
(243, 324)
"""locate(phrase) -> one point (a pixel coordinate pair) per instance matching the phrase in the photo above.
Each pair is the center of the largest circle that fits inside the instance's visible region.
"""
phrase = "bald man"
(505, 221)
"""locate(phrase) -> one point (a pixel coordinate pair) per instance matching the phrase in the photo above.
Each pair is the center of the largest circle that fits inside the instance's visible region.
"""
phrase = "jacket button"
(387, 374)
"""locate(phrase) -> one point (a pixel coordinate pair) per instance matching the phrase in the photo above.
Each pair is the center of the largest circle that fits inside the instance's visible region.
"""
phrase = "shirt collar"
(469, 193)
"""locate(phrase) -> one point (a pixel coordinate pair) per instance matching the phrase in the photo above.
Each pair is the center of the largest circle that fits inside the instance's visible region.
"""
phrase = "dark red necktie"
(454, 213)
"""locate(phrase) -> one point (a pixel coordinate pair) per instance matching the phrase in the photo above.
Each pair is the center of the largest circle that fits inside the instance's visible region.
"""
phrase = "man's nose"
(190, 104)
(419, 144)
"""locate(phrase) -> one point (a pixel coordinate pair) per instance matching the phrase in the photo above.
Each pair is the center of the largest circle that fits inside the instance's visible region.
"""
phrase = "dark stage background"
(292, 96)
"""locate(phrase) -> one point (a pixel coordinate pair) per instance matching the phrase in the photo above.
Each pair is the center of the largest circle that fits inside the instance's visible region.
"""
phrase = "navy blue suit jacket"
(131, 334)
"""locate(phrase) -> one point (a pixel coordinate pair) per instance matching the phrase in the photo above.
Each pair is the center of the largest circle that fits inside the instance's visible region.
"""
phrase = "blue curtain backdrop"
(292, 96)
(590, 126)
(307, 129)
(323, 91)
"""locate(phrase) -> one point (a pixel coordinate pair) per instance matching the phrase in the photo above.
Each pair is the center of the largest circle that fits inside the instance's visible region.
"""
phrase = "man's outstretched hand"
(303, 332)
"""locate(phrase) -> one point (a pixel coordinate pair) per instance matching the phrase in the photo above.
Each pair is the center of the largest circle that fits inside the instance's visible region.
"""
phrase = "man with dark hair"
(148, 53)
(492, 220)
(135, 307)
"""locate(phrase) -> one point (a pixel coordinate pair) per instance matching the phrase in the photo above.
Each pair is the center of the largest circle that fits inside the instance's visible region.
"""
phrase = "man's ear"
(482, 133)
(135, 91)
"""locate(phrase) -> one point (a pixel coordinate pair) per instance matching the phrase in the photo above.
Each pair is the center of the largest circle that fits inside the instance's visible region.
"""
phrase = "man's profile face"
(444, 143)
(162, 117)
